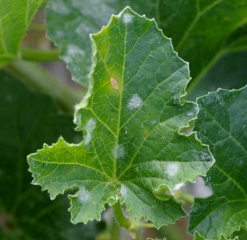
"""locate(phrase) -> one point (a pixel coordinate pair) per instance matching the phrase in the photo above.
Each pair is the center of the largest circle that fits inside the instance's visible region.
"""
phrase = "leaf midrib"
(120, 103)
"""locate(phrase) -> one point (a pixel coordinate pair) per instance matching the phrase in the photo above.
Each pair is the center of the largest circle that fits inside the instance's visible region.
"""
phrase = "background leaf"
(69, 24)
(222, 125)
(130, 120)
(15, 17)
(200, 39)
(191, 25)
(26, 121)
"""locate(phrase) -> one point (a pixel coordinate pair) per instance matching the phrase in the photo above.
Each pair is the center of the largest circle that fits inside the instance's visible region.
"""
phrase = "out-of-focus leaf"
(203, 32)
(130, 120)
(15, 17)
(228, 69)
(222, 125)
(26, 121)
(191, 24)
(69, 24)
(242, 234)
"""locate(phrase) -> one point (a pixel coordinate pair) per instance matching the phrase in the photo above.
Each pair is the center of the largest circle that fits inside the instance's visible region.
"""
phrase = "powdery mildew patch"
(172, 169)
(178, 186)
(135, 102)
(118, 151)
(123, 190)
(127, 18)
(73, 50)
(59, 7)
(84, 195)
(90, 126)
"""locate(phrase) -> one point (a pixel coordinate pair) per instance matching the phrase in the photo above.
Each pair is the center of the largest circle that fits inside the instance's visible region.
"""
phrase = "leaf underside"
(130, 120)
(222, 125)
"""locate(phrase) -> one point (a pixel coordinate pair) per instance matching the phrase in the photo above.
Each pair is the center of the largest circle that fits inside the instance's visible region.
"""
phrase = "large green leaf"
(130, 120)
(15, 17)
(222, 125)
(69, 24)
(26, 121)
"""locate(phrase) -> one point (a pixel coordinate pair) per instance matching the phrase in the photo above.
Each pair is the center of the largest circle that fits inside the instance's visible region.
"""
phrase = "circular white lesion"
(172, 169)
(135, 102)
(127, 18)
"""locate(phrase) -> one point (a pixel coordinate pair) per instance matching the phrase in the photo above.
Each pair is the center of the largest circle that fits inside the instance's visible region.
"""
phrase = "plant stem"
(146, 225)
(118, 212)
(138, 234)
(39, 55)
(40, 80)
(115, 231)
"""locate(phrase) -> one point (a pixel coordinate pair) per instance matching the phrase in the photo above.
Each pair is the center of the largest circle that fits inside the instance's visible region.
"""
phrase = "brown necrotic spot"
(114, 83)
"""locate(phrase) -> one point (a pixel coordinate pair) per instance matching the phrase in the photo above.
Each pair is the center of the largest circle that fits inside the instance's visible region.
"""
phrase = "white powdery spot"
(189, 114)
(178, 186)
(74, 50)
(154, 122)
(59, 7)
(84, 195)
(123, 190)
(220, 100)
(120, 152)
(83, 29)
(135, 102)
(127, 18)
(90, 126)
(172, 169)
(59, 34)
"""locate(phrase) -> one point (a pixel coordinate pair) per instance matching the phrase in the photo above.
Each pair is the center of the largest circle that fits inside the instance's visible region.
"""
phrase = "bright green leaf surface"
(130, 120)
(69, 24)
(222, 125)
(15, 17)
(26, 213)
